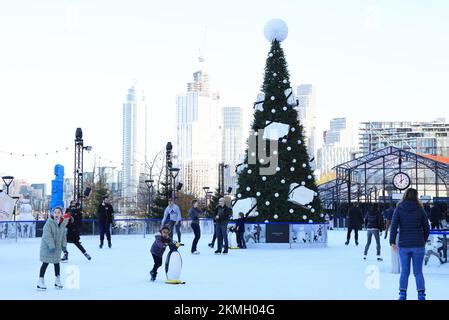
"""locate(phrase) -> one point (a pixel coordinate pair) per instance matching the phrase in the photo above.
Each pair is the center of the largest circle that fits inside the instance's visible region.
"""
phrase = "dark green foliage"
(275, 85)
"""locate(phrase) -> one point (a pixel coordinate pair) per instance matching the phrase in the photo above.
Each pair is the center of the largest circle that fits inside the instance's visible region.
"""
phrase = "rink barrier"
(294, 233)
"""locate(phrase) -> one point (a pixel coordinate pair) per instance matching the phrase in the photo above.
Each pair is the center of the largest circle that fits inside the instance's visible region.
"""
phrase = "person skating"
(435, 216)
(388, 216)
(105, 213)
(161, 241)
(240, 230)
(411, 220)
(354, 223)
(73, 230)
(52, 243)
(26, 214)
(173, 213)
(194, 213)
(222, 215)
(374, 226)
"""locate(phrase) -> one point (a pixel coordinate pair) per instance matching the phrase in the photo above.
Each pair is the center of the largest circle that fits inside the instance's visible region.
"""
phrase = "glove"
(67, 216)
(177, 244)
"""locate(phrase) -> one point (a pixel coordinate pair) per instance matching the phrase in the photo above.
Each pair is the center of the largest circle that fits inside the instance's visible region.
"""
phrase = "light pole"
(78, 172)
(221, 167)
(7, 180)
(174, 173)
(149, 184)
(206, 189)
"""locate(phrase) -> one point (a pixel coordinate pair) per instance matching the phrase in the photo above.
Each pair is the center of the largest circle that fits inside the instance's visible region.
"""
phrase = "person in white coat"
(26, 215)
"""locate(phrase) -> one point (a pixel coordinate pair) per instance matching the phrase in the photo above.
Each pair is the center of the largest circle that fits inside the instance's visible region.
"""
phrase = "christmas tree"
(276, 181)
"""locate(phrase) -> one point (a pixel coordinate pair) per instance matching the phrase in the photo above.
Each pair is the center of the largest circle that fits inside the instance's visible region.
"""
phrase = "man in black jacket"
(105, 217)
(222, 216)
(355, 219)
(435, 216)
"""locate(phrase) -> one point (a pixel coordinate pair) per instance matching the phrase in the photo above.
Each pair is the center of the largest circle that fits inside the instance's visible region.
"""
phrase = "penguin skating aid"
(173, 265)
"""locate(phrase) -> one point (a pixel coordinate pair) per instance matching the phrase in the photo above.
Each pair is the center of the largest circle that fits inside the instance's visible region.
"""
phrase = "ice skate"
(421, 295)
(41, 285)
(58, 284)
(153, 275)
(87, 256)
(65, 258)
(195, 252)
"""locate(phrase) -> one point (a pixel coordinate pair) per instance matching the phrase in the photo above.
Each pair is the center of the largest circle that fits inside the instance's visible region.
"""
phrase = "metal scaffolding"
(369, 178)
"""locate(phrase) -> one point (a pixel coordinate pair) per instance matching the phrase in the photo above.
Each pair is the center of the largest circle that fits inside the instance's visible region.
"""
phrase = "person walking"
(374, 226)
(194, 213)
(73, 230)
(411, 221)
(52, 243)
(105, 213)
(173, 213)
(222, 216)
(355, 220)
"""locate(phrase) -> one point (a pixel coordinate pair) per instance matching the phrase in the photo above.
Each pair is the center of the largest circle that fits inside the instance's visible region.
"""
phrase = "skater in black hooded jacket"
(73, 230)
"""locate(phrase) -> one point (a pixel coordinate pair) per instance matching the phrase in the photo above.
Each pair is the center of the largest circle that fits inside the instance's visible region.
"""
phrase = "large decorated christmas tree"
(276, 181)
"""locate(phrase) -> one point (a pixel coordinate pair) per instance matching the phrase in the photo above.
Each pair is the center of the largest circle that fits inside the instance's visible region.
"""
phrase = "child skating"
(161, 241)
(52, 243)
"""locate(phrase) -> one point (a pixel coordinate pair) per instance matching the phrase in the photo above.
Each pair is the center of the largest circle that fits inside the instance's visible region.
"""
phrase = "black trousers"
(79, 246)
(177, 227)
(356, 234)
(157, 263)
(105, 228)
(197, 233)
(44, 268)
(435, 225)
(241, 240)
(222, 236)
(215, 235)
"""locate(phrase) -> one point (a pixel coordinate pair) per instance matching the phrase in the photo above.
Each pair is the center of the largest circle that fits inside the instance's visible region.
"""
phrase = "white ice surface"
(263, 271)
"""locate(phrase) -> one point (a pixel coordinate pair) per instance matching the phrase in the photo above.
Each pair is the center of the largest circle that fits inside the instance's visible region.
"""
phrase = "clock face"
(401, 181)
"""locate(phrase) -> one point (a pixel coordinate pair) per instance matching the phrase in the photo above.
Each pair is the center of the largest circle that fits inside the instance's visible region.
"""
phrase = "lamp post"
(7, 180)
(206, 189)
(221, 167)
(149, 184)
(174, 173)
(78, 172)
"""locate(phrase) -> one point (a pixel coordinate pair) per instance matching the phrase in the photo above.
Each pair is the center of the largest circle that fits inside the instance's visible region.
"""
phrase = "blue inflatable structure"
(57, 188)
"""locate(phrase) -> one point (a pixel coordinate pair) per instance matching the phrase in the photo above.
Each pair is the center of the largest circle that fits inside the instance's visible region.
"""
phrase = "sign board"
(277, 233)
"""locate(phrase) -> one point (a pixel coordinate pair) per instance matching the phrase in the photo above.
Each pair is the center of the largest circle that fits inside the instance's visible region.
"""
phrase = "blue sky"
(65, 64)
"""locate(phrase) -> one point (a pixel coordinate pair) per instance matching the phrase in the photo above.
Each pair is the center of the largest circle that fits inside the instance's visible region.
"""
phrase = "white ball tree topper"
(275, 29)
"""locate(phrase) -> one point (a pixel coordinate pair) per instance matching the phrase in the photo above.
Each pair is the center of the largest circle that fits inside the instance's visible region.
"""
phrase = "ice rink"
(263, 271)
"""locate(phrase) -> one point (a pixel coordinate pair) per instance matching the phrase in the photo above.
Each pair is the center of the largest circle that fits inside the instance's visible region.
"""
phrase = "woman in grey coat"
(52, 243)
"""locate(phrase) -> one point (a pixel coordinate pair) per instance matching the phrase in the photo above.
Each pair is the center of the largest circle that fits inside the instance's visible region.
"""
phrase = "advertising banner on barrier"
(277, 233)
(308, 235)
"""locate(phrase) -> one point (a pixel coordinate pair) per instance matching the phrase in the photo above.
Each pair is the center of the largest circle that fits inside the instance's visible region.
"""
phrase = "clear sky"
(68, 64)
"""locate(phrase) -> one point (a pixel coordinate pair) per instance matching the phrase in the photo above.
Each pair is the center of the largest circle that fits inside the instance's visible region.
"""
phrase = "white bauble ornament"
(292, 129)
(270, 54)
(309, 177)
(275, 29)
(284, 108)
(294, 160)
(274, 74)
(248, 189)
(310, 221)
(264, 178)
(276, 194)
(309, 206)
(261, 160)
(303, 183)
(239, 195)
(275, 216)
(284, 140)
(304, 217)
(253, 154)
(258, 193)
(256, 133)
(321, 215)
(283, 181)
(266, 221)
(299, 141)
(272, 98)
(284, 81)
(292, 169)
(267, 203)
(250, 171)
(289, 148)
(278, 169)
(275, 152)
(304, 165)
(273, 111)
(291, 210)
(313, 210)
(315, 194)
